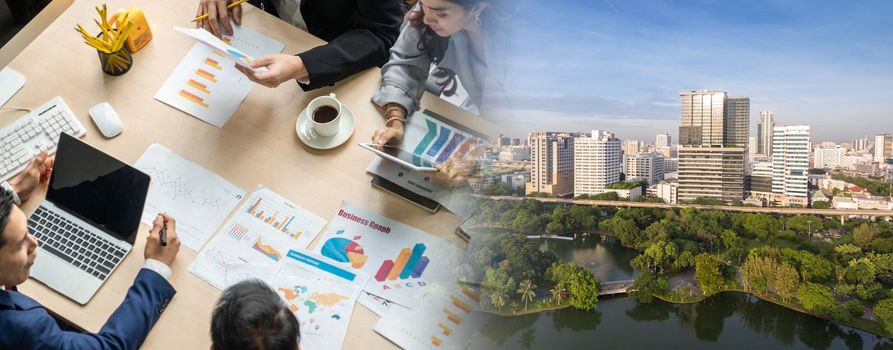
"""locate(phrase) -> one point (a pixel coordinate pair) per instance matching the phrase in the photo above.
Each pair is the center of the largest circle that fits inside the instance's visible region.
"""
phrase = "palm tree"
(497, 299)
(527, 291)
(557, 294)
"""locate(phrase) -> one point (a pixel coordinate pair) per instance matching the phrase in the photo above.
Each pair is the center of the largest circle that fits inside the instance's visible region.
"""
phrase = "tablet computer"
(400, 156)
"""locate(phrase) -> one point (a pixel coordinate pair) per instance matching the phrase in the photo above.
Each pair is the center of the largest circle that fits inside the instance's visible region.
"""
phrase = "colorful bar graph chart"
(440, 142)
(280, 224)
(198, 86)
(448, 150)
(409, 263)
(426, 140)
(207, 75)
(213, 63)
(384, 270)
(191, 97)
(402, 259)
(436, 341)
(237, 231)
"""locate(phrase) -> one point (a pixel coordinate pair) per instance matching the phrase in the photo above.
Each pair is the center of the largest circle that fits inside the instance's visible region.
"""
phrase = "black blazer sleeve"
(376, 24)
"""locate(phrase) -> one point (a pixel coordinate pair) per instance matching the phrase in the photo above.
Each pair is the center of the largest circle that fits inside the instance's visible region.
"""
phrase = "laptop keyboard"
(74, 244)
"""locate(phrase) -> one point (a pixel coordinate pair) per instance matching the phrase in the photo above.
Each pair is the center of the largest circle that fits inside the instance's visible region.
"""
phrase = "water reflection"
(725, 321)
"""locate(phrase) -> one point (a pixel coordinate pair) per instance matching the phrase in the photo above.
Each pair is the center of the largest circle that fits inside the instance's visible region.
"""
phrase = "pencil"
(230, 6)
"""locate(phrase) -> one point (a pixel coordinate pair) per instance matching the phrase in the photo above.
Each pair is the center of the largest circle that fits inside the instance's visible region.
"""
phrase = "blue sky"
(620, 65)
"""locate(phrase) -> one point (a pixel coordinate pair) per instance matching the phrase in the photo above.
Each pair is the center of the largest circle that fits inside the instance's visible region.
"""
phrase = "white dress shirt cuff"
(15, 196)
(159, 267)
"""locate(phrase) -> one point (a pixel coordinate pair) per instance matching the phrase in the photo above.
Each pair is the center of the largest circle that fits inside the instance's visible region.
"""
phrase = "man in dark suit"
(359, 33)
(26, 324)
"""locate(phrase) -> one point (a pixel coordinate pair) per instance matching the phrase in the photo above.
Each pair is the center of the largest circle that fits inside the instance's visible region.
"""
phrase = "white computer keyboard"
(37, 131)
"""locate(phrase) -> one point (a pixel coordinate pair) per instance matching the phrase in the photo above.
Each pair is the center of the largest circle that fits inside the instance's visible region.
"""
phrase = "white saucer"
(312, 139)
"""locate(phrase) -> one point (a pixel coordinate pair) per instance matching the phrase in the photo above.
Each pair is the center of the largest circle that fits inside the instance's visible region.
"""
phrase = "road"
(769, 210)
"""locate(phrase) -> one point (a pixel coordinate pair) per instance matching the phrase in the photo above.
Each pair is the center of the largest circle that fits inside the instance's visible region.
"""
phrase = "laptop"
(89, 220)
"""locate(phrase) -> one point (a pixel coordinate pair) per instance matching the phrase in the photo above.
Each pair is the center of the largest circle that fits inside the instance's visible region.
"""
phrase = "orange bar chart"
(189, 96)
(205, 74)
(452, 317)
(213, 64)
(461, 305)
(446, 330)
(198, 86)
(402, 259)
(470, 294)
(436, 341)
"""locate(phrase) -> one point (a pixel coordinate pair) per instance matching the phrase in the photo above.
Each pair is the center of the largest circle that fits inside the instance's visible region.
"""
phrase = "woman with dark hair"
(450, 48)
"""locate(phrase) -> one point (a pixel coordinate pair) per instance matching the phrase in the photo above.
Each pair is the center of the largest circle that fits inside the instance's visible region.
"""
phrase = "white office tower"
(829, 157)
(551, 163)
(662, 141)
(790, 164)
(645, 166)
(597, 161)
(764, 132)
(883, 147)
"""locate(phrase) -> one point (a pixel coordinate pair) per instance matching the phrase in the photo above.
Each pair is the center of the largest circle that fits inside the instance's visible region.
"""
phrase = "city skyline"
(629, 61)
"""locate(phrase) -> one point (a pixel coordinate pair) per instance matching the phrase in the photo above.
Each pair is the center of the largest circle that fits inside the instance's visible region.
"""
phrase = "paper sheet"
(443, 321)
(402, 261)
(206, 85)
(197, 198)
(321, 295)
(263, 230)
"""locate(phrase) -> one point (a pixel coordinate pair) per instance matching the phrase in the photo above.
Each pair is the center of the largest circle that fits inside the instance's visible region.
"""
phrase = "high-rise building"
(758, 182)
(883, 147)
(597, 161)
(790, 164)
(662, 141)
(764, 132)
(711, 172)
(632, 146)
(516, 142)
(551, 163)
(503, 141)
(860, 144)
(713, 138)
(645, 166)
(737, 122)
(751, 148)
(703, 118)
(828, 157)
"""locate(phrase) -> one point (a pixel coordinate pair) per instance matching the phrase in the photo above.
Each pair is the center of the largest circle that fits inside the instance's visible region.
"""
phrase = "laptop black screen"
(98, 188)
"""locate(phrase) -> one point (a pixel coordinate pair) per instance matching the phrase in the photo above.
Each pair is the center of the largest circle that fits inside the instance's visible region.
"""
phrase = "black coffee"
(325, 114)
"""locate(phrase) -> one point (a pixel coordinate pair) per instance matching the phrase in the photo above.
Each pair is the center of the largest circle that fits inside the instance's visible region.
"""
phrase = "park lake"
(723, 321)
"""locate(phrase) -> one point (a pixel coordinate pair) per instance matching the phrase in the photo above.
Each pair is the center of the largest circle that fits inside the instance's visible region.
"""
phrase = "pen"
(164, 234)
(230, 6)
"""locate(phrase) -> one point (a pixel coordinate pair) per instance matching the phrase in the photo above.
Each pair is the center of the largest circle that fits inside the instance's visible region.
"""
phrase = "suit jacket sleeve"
(127, 328)
(376, 28)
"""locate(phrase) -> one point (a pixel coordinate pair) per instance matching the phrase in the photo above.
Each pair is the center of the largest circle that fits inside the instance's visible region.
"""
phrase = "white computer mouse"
(106, 119)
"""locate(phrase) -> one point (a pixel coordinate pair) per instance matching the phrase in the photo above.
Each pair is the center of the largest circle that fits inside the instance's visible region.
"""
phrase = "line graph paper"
(198, 199)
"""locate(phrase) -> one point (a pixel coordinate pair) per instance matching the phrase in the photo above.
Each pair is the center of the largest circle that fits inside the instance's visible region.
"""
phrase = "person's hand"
(280, 68)
(218, 13)
(36, 173)
(392, 135)
(154, 250)
(455, 171)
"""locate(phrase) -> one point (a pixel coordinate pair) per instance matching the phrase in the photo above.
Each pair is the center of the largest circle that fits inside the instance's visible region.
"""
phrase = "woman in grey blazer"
(447, 47)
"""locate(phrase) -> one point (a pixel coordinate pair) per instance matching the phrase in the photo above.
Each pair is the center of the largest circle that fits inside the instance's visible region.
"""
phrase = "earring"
(477, 19)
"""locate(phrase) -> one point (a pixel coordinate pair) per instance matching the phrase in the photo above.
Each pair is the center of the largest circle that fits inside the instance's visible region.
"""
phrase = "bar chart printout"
(262, 231)
(206, 84)
(403, 262)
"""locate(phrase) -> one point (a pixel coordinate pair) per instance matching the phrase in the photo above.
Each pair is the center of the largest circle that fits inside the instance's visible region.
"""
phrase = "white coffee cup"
(328, 128)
